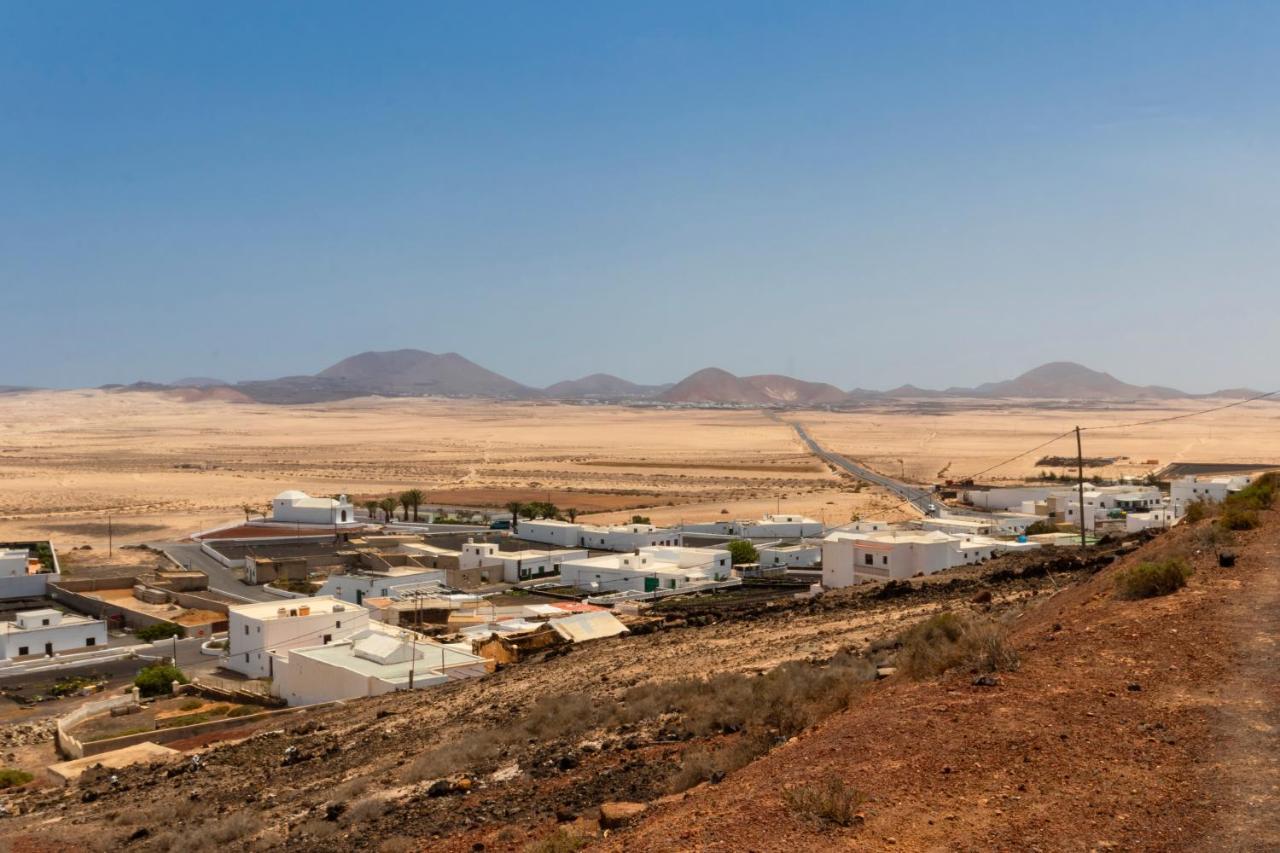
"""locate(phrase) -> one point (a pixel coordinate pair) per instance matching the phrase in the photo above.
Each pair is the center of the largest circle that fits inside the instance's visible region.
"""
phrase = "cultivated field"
(164, 468)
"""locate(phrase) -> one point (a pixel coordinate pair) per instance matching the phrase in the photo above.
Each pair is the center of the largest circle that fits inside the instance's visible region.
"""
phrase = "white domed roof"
(291, 495)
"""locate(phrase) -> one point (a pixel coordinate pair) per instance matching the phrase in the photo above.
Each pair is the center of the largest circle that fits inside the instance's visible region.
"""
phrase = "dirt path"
(1242, 775)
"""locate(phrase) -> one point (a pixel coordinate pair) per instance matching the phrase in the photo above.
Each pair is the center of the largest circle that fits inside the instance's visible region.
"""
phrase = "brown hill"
(416, 372)
(1066, 380)
(713, 385)
(1133, 725)
(602, 386)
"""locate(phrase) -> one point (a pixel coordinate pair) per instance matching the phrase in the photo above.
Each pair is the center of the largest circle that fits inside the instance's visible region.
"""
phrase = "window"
(337, 624)
(246, 657)
(44, 621)
(870, 560)
(90, 641)
(328, 638)
(886, 560)
(23, 650)
(246, 630)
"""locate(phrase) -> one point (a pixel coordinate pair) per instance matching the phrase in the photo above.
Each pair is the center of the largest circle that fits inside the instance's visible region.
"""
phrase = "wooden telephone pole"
(1080, 470)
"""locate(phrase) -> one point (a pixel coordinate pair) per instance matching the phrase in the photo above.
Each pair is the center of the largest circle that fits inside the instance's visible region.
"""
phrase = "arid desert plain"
(163, 468)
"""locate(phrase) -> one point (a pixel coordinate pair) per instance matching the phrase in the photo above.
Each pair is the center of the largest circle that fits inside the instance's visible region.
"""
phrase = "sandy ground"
(931, 443)
(163, 469)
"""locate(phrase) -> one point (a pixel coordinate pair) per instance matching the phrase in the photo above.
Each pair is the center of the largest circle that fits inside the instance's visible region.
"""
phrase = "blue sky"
(861, 193)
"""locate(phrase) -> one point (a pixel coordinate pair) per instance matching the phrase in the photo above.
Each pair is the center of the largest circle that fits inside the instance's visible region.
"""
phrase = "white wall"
(251, 638)
(65, 637)
(357, 587)
(792, 557)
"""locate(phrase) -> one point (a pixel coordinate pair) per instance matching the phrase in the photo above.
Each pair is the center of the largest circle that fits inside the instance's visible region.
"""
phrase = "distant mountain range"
(416, 373)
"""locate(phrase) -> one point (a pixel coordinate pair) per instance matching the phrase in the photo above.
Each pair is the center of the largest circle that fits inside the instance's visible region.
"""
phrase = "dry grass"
(828, 802)
(560, 841)
(953, 640)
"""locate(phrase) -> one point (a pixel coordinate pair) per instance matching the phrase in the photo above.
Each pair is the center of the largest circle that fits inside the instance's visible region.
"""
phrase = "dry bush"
(831, 801)
(400, 844)
(233, 827)
(1236, 518)
(1148, 580)
(367, 809)
(701, 764)
(470, 751)
(350, 789)
(560, 841)
(1199, 510)
(953, 640)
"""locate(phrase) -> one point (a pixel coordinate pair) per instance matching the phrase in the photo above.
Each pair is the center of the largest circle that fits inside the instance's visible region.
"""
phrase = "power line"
(1184, 415)
(1124, 426)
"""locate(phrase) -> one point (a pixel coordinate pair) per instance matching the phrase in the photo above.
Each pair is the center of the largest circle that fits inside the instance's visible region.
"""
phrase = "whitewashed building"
(648, 569)
(371, 662)
(257, 630)
(24, 574)
(850, 558)
(799, 556)
(357, 585)
(782, 526)
(1188, 490)
(618, 537)
(47, 632)
(517, 566)
(295, 507)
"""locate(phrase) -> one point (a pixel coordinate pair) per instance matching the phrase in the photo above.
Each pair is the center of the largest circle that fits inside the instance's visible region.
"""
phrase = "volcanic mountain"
(1066, 380)
(603, 386)
(713, 385)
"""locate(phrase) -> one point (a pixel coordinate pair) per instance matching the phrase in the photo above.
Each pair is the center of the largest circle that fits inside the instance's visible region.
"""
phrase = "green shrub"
(1148, 580)
(11, 778)
(955, 639)
(242, 711)
(190, 704)
(69, 685)
(157, 679)
(831, 801)
(1200, 510)
(159, 631)
(1038, 527)
(1260, 494)
(741, 551)
(1236, 518)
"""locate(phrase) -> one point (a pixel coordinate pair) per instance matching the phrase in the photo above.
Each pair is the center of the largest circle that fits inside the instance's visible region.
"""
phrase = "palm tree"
(572, 513)
(514, 508)
(388, 507)
(371, 507)
(412, 498)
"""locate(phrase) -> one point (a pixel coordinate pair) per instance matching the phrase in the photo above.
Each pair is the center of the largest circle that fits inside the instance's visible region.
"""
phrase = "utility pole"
(413, 659)
(110, 537)
(1080, 470)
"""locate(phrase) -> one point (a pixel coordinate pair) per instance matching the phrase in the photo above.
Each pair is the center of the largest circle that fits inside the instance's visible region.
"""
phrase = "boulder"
(618, 815)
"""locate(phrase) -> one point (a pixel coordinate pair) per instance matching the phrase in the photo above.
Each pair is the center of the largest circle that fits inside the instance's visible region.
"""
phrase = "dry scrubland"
(959, 438)
(164, 467)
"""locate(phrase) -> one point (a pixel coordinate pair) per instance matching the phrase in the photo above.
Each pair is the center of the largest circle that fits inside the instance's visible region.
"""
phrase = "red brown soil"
(1064, 754)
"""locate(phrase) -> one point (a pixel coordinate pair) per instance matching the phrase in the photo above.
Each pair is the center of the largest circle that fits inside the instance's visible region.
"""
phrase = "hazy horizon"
(859, 194)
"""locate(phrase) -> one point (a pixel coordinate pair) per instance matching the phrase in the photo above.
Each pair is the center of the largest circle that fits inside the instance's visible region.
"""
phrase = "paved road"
(221, 579)
(921, 497)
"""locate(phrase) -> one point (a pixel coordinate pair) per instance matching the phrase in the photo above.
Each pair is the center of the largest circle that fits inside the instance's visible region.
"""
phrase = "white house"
(850, 558)
(355, 586)
(48, 631)
(257, 630)
(618, 537)
(517, 566)
(368, 663)
(781, 526)
(1188, 490)
(801, 556)
(648, 569)
(1156, 518)
(23, 574)
(294, 507)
